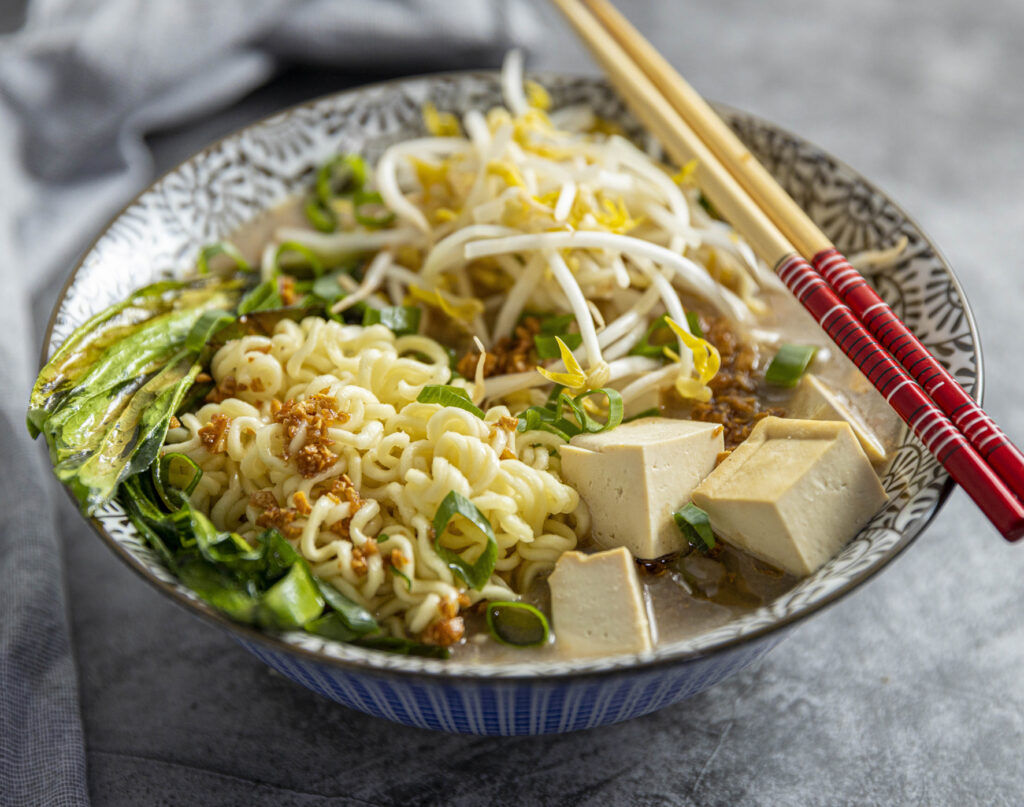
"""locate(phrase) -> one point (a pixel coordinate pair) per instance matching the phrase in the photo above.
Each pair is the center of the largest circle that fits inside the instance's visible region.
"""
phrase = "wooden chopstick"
(981, 431)
(906, 397)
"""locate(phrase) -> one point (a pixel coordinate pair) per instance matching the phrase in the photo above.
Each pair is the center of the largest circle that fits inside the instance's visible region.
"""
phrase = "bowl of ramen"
(450, 400)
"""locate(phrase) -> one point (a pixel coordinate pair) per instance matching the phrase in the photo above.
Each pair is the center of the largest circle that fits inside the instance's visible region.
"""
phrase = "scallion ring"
(475, 574)
(695, 526)
(789, 364)
(221, 248)
(517, 624)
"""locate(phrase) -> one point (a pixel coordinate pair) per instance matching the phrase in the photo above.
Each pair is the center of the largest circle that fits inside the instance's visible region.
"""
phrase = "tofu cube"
(597, 607)
(793, 493)
(814, 400)
(635, 476)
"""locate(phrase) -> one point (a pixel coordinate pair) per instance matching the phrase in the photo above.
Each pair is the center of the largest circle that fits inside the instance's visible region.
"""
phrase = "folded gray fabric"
(82, 83)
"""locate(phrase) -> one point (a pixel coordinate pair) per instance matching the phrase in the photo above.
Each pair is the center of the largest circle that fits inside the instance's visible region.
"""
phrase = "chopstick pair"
(977, 455)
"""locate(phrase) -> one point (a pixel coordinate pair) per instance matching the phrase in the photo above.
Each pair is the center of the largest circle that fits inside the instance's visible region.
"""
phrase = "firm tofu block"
(813, 400)
(597, 608)
(636, 475)
(793, 493)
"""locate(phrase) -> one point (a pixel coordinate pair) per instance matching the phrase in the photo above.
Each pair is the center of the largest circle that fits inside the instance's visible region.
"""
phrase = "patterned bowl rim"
(428, 670)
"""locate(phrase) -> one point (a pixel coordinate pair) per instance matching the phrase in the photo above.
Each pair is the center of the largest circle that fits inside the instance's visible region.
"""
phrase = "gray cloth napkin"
(81, 85)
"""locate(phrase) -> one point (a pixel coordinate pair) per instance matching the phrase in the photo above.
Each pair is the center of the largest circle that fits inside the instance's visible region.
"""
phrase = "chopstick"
(938, 433)
(981, 431)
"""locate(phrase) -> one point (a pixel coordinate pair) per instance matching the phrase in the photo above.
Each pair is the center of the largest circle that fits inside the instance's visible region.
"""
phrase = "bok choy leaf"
(265, 583)
(104, 401)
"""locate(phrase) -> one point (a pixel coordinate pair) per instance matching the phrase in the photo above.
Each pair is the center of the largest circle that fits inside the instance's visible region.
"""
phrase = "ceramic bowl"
(239, 178)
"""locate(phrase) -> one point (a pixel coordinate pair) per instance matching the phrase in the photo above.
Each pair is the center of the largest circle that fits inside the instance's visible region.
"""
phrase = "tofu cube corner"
(634, 477)
(597, 607)
(813, 400)
(793, 493)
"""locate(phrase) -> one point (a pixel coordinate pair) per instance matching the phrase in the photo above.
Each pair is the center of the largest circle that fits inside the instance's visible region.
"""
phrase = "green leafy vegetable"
(221, 248)
(263, 297)
(789, 364)
(478, 573)
(659, 336)
(551, 327)
(327, 287)
(517, 624)
(402, 319)
(547, 346)
(658, 330)
(695, 526)
(447, 395)
(556, 325)
(206, 326)
(355, 617)
(105, 399)
(552, 416)
(267, 584)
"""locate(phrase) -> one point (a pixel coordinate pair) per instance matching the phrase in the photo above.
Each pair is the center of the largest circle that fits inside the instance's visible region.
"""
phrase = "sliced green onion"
(263, 297)
(695, 526)
(356, 618)
(542, 419)
(205, 327)
(401, 319)
(447, 395)
(331, 626)
(221, 248)
(789, 364)
(653, 350)
(475, 574)
(517, 624)
(292, 601)
(321, 215)
(588, 423)
(693, 320)
(340, 175)
(383, 537)
(314, 263)
(363, 199)
(550, 417)
(181, 471)
(547, 346)
(404, 576)
(174, 477)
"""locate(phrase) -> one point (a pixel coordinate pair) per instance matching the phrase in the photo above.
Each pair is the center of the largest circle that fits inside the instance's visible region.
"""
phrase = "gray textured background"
(908, 692)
